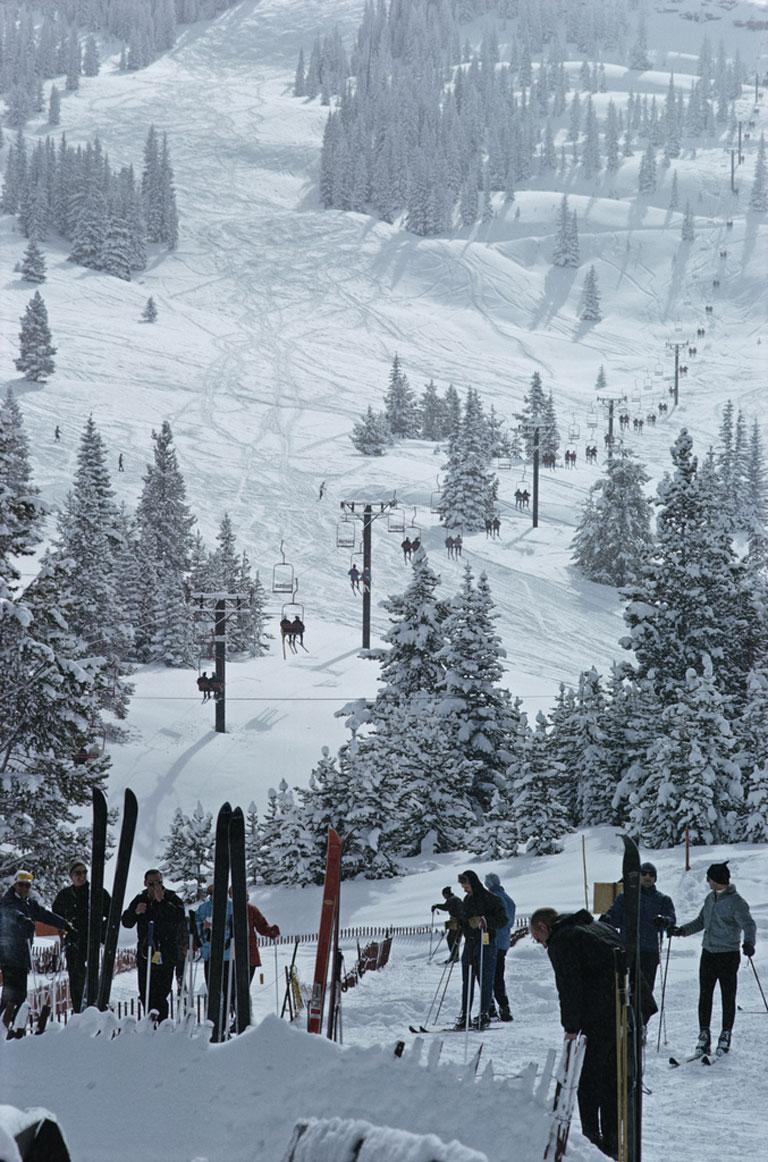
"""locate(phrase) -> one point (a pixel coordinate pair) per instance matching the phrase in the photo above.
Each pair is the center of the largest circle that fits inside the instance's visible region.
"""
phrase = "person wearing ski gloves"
(582, 952)
(482, 914)
(493, 884)
(452, 905)
(72, 902)
(18, 914)
(723, 918)
(657, 912)
(165, 911)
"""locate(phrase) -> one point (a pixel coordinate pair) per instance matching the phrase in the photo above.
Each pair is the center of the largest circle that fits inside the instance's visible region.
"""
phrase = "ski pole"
(150, 954)
(433, 952)
(277, 982)
(445, 989)
(662, 1016)
(431, 934)
(757, 981)
(434, 998)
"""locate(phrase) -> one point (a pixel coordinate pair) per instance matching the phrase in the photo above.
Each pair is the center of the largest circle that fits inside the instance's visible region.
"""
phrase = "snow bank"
(163, 1094)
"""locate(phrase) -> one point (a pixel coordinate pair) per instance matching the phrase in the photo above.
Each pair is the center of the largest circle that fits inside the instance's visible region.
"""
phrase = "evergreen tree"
(536, 794)
(613, 536)
(165, 540)
(298, 83)
(674, 196)
(753, 735)
(432, 413)
(467, 482)
(33, 263)
(412, 662)
(496, 836)
(587, 766)
(370, 434)
(646, 175)
(90, 58)
(590, 300)
(54, 106)
(688, 232)
(758, 198)
(188, 853)
(566, 251)
(35, 348)
(638, 57)
(149, 314)
(533, 413)
(399, 404)
(91, 230)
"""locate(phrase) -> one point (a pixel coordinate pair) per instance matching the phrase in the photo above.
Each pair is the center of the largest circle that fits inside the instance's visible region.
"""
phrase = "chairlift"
(592, 419)
(283, 577)
(345, 533)
(504, 463)
(658, 370)
(573, 429)
(396, 521)
(435, 498)
(412, 531)
(522, 482)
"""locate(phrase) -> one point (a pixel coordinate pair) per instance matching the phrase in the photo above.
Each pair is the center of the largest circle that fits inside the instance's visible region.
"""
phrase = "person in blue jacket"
(657, 912)
(493, 884)
(204, 923)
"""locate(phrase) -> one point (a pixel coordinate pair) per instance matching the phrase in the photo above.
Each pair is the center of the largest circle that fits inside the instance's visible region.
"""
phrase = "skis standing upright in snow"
(629, 1047)
(328, 926)
(566, 1088)
(95, 895)
(122, 864)
(240, 919)
(219, 926)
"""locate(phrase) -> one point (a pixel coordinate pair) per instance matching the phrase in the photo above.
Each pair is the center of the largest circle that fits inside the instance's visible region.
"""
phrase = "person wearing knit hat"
(73, 901)
(724, 919)
(657, 914)
(18, 915)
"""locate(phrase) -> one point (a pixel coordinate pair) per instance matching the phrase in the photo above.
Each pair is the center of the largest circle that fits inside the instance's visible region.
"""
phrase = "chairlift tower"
(675, 345)
(214, 604)
(367, 511)
(610, 402)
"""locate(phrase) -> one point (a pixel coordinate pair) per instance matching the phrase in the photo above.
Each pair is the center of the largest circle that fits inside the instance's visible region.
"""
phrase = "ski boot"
(504, 1013)
(723, 1042)
(461, 1022)
(703, 1045)
(481, 1022)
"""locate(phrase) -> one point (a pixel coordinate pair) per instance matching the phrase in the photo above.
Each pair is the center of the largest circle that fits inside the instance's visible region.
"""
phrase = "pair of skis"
(566, 1089)
(98, 983)
(229, 929)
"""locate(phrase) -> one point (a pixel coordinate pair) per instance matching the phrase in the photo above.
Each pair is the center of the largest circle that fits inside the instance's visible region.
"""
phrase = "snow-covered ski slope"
(277, 325)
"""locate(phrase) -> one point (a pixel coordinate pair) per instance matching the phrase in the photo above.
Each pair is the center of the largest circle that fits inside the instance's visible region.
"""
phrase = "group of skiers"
(584, 953)
(165, 936)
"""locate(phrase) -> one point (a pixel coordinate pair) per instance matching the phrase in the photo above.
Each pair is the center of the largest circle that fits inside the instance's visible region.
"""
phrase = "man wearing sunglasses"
(73, 902)
(18, 914)
(165, 911)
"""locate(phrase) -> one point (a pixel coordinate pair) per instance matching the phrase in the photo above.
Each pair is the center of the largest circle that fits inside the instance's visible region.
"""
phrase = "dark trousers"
(721, 968)
(160, 984)
(470, 969)
(76, 972)
(649, 966)
(452, 939)
(597, 1092)
(14, 992)
(499, 986)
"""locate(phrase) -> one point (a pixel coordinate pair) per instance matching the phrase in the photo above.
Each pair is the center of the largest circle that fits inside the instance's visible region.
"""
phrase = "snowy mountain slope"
(277, 326)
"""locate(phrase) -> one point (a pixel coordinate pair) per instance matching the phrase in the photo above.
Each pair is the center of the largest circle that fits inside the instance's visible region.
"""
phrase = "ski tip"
(674, 1062)
(705, 1060)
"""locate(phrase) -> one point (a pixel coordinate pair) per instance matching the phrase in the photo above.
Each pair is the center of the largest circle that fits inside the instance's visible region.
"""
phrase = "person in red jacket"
(257, 925)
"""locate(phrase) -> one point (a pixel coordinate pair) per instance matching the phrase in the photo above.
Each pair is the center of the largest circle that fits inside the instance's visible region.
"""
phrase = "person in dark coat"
(18, 915)
(584, 953)
(165, 910)
(482, 914)
(73, 903)
(657, 912)
(452, 905)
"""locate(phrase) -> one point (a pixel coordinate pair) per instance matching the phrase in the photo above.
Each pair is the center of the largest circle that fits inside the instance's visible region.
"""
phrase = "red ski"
(328, 926)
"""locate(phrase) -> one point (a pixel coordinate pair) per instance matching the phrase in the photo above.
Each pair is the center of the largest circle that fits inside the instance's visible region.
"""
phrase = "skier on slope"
(724, 916)
(656, 912)
(18, 914)
(164, 909)
(482, 914)
(73, 903)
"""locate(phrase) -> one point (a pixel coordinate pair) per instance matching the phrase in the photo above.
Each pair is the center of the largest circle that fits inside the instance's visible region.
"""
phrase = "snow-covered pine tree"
(452, 412)
(550, 433)
(532, 414)
(646, 174)
(601, 381)
(90, 57)
(91, 229)
(88, 540)
(149, 314)
(165, 540)
(536, 795)
(187, 857)
(467, 480)
(35, 348)
(758, 198)
(688, 232)
(566, 248)
(117, 250)
(478, 715)
(692, 780)
(496, 835)
(613, 535)
(587, 767)
(638, 56)
(33, 263)
(370, 434)
(752, 733)
(590, 298)
(399, 404)
(431, 413)
(412, 662)
(674, 195)
(252, 844)
(54, 107)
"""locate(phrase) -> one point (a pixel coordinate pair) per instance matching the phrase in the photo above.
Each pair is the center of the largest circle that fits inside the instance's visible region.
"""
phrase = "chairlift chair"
(522, 482)
(345, 534)
(396, 521)
(504, 463)
(574, 430)
(658, 370)
(283, 577)
(435, 500)
(592, 420)
(291, 610)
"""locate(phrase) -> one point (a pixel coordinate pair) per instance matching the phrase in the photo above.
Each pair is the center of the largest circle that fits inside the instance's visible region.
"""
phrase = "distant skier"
(407, 548)
(365, 579)
(120, 467)
(57, 433)
(297, 630)
(452, 905)
(354, 578)
(321, 493)
(204, 686)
